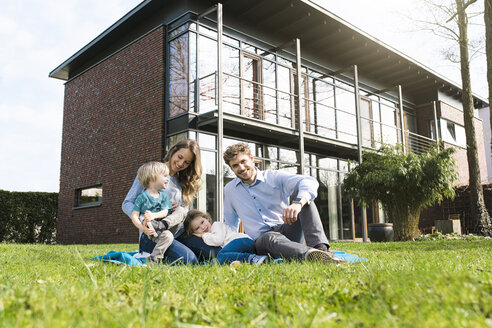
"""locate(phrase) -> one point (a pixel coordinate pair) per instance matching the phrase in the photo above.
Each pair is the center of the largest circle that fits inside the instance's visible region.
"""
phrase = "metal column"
(436, 125)
(220, 120)
(400, 103)
(359, 145)
(299, 115)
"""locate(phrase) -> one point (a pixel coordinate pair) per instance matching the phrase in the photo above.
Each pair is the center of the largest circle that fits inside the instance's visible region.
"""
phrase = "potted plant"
(403, 183)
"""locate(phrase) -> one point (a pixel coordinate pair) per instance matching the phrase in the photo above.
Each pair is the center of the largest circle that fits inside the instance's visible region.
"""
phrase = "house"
(240, 71)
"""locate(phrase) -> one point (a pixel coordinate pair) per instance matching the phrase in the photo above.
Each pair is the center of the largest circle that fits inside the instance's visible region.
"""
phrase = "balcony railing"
(259, 101)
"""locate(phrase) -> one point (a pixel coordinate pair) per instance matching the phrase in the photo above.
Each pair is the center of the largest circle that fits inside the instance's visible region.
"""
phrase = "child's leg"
(163, 241)
(237, 250)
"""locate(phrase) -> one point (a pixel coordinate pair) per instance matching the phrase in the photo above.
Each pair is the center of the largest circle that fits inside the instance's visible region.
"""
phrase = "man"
(260, 199)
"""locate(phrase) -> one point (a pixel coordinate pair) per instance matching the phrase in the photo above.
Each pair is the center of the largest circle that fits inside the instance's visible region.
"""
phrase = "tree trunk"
(479, 215)
(405, 221)
(488, 51)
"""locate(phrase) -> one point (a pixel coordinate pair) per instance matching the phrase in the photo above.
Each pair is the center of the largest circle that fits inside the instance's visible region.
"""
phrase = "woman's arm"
(129, 201)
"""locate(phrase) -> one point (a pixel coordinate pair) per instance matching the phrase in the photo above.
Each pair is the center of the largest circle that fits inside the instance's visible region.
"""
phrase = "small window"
(453, 133)
(91, 196)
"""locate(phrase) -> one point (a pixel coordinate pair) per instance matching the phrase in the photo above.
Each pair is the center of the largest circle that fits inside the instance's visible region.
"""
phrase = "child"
(236, 246)
(155, 204)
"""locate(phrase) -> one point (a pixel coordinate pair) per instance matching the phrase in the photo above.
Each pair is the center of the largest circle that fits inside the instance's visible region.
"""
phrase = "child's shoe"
(154, 260)
(151, 226)
(235, 264)
(276, 261)
(159, 226)
(257, 259)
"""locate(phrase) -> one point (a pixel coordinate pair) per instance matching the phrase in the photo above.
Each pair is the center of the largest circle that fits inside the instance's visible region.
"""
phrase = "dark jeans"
(237, 250)
(177, 252)
(202, 251)
(285, 240)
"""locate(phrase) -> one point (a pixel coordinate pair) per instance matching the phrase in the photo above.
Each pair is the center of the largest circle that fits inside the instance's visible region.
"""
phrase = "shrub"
(28, 217)
(404, 184)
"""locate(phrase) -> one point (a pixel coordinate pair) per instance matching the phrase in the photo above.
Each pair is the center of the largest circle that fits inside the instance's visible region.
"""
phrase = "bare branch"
(464, 9)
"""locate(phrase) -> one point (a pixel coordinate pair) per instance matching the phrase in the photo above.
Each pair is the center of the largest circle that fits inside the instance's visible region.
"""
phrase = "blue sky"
(37, 36)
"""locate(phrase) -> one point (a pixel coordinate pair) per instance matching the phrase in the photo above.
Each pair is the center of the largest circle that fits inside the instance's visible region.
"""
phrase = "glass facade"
(261, 85)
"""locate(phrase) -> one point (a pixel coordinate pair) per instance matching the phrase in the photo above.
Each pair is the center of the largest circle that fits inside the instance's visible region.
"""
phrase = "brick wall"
(460, 205)
(112, 123)
(425, 113)
(455, 115)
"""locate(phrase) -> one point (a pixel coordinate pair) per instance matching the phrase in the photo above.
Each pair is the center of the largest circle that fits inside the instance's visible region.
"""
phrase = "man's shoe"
(322, 247)
(315, 255)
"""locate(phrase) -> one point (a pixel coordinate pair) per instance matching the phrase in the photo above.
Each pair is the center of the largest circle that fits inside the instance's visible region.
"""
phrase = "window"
(304, 97)
(178, 75)
(453, 133)
(251, 86)
(367, 129)
(86, 197)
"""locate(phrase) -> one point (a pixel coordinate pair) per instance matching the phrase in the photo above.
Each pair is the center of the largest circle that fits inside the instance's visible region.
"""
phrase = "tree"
(444, 13)
(479, 213)
(488, 52)
(404, 184)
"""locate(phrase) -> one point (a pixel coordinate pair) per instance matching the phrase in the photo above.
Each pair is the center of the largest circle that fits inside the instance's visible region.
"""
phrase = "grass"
(405, 284)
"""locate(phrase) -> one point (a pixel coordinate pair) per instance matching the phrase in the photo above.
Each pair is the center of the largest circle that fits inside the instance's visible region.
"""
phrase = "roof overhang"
(326, 40)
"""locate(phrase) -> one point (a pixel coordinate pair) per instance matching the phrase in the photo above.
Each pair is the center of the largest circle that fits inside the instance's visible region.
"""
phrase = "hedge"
(28, 217)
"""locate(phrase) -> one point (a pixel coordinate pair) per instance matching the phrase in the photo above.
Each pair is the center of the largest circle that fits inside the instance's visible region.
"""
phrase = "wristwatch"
(298, 200)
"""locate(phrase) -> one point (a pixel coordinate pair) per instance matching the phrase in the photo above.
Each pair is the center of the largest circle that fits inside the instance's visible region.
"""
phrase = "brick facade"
(460, 205)
(426, 114)
(112, 123)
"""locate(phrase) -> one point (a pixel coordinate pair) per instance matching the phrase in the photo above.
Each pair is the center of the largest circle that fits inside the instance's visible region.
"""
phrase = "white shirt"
(221, 235)
(260, 205)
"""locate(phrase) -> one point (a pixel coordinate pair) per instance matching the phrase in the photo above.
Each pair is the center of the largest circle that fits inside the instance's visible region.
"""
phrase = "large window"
(367, 128)
(251, 88)
(262, 85)
(178, 75)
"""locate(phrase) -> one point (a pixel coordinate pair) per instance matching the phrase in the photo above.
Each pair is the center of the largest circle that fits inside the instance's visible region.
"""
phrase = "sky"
(37, 36)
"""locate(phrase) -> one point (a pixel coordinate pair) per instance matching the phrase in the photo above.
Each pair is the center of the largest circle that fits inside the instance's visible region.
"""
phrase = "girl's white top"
(221, 235)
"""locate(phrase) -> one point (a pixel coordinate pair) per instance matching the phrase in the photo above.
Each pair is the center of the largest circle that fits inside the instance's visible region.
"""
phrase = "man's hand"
(291, 212)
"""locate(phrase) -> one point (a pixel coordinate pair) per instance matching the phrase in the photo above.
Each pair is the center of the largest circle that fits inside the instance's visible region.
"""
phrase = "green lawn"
(404, 284)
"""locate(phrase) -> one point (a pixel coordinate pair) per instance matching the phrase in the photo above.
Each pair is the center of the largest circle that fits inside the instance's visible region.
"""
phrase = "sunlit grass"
(412, 284)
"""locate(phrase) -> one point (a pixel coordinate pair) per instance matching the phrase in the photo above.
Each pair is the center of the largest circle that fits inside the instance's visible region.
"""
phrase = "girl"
(236, 246)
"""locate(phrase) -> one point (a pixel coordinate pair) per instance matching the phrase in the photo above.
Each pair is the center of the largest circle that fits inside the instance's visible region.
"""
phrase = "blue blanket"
(350, 258)
(121, 258)
(128, 259)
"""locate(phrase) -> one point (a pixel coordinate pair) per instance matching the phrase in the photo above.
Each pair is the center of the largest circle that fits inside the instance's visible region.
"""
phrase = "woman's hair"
(149, 171)
(233, 150)
(192, 214)
(189, 178)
